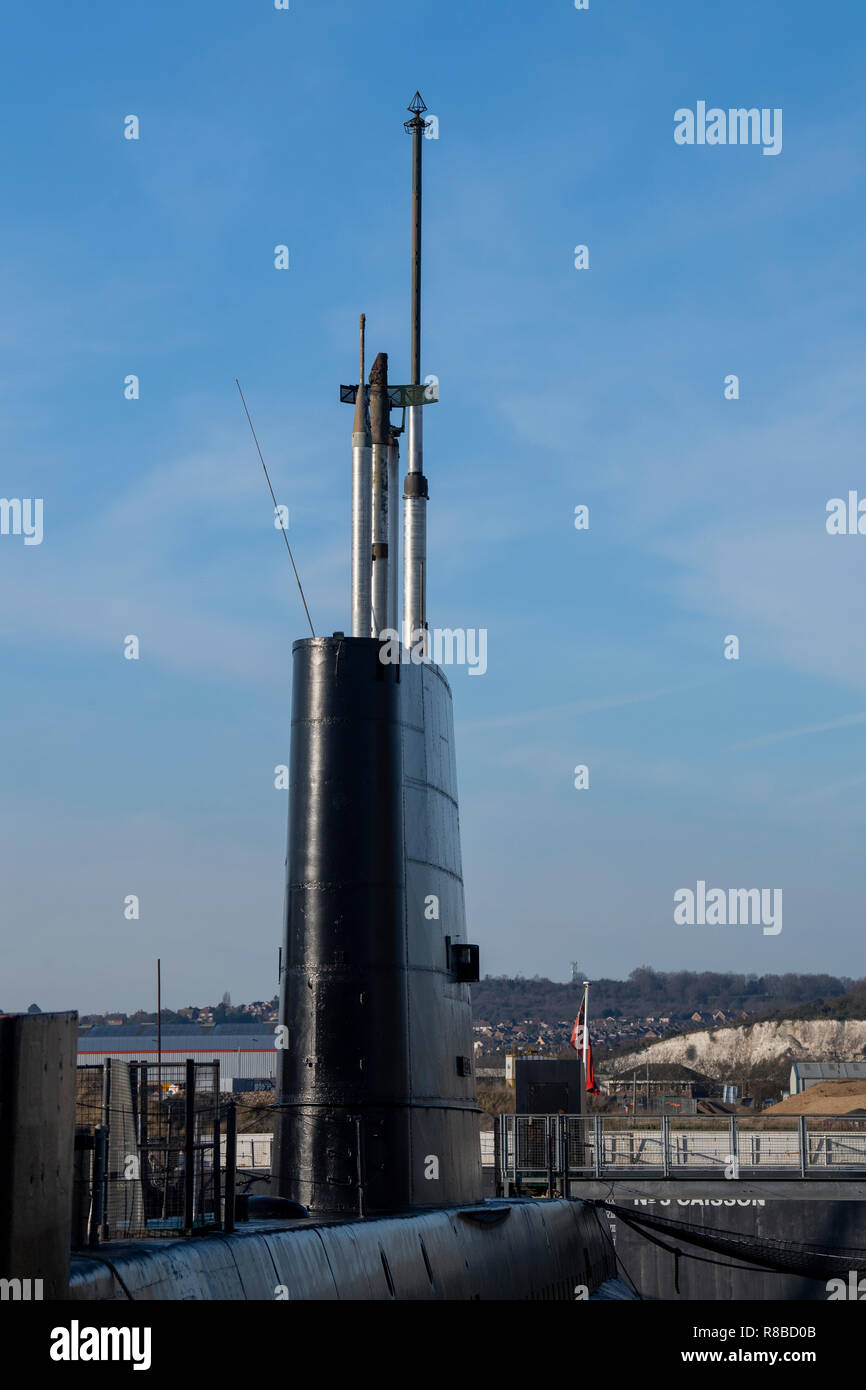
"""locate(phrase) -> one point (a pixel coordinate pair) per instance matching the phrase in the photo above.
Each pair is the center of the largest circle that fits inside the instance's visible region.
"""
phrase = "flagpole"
(585, 1026)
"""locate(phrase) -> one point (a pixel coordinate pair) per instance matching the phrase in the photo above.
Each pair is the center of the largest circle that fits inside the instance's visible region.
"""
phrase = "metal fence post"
(734, 1144)
(104, 1186)
(97, 1207)
(666, 1145)
(106, 1092)
(106, 1174)
(216, 1141)
(133, 1088)
(548, 1134)
(189, 1151)
(598, 1147)
(82, 1186)
(142, 1118)
(231, 1165)
(803, 1142)
(566, 1157)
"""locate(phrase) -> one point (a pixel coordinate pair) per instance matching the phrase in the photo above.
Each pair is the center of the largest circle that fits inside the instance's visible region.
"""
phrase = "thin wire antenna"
(276, 510)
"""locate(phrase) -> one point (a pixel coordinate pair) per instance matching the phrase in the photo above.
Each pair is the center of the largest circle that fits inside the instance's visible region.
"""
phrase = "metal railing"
(553, 1150)
(147, 1149)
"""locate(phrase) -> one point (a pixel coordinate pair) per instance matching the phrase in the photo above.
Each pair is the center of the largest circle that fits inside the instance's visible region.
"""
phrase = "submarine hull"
(551, 1250)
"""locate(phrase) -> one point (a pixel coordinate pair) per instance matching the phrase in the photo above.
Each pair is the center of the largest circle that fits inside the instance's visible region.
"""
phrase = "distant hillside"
(727, 1053)
(850, 1005)
(677, 994)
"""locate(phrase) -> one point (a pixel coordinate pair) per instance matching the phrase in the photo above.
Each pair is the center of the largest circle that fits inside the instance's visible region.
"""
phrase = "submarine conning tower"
(375, 1105)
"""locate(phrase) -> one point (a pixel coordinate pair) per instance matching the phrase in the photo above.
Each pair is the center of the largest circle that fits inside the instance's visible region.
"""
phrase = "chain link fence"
(147, 1149)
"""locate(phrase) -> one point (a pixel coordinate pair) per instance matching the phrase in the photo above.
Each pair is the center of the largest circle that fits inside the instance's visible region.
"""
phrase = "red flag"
(579, 1035)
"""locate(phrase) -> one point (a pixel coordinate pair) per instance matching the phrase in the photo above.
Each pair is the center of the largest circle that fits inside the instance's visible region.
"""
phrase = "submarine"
(376, 1116)
(376, 1183)
(375, 1096)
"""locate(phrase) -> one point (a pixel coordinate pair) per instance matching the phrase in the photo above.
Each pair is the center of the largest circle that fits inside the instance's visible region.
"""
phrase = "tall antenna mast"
(416, 128)
(415, 487)
(375, 463)
(362, 507)
(363, 343)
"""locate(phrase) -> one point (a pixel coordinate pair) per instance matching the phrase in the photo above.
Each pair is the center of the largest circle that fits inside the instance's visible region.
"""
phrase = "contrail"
(807, 729)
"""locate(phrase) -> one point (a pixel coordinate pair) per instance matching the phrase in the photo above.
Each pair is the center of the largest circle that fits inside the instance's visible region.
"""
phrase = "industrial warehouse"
(245, 1051)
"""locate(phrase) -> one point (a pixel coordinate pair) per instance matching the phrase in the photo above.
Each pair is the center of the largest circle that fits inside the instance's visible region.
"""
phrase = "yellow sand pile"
(827, 1098)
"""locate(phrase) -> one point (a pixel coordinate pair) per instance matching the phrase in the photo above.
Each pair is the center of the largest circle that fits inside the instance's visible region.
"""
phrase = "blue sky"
(558, 387)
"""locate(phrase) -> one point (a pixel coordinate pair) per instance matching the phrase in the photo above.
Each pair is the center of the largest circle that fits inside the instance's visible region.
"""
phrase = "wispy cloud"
(551, 712)
(843, 723)
(824, 793)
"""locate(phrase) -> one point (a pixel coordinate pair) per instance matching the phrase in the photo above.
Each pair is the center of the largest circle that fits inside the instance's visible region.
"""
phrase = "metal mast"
(415, 487)
(362, 509)
(380, 433)
(393, 613)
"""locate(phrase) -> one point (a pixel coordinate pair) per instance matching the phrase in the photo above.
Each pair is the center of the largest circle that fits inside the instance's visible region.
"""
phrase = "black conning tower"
(375, 1108)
